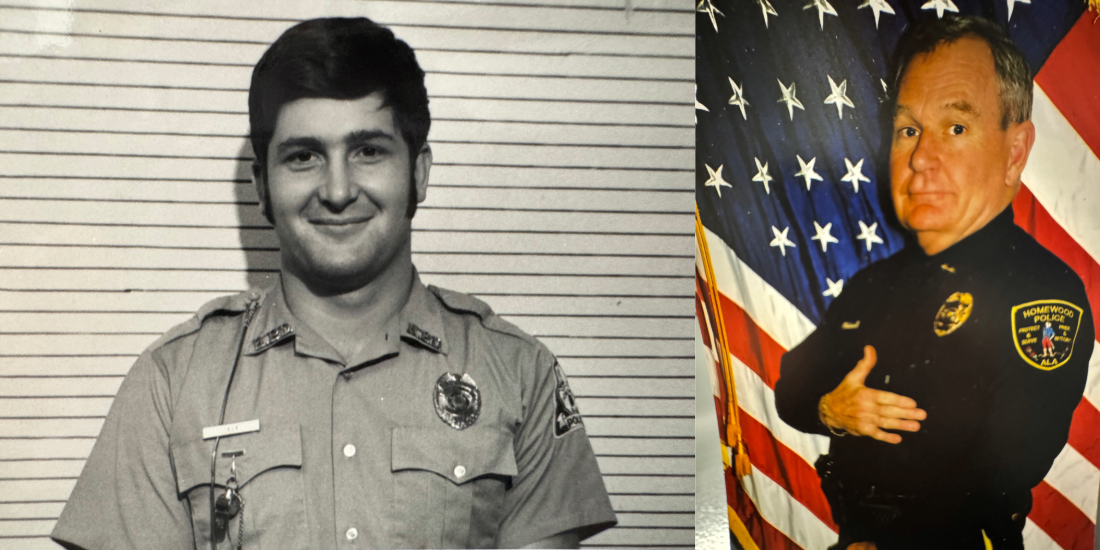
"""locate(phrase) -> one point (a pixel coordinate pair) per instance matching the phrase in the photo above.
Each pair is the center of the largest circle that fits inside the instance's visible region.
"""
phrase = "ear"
(420, 172)
(260, 183)
(1019, 139)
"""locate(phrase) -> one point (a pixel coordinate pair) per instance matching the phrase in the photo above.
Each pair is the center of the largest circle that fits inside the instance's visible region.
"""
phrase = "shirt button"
(349, 451)
(352, 534)
(460, 470)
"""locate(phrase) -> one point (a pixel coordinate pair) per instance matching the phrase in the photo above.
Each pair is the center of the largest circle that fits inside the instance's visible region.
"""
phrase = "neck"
(349, 318)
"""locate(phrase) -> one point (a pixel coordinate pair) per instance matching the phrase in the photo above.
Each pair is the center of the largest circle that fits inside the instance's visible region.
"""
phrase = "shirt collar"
(419, 323)
(976, 246)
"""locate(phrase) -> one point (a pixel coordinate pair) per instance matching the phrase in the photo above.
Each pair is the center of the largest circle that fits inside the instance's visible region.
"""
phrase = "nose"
(925, 155)
(338, 190)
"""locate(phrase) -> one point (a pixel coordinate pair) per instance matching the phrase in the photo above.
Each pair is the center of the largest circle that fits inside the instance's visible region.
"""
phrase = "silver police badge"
(457, 400)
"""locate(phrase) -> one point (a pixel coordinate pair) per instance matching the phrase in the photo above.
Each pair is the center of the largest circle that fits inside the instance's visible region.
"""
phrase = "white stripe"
(1092, 385)
(1062, 173)
(1037, 539)
(757, 399)
(1077, 479)
(773, 313)
(786, 514)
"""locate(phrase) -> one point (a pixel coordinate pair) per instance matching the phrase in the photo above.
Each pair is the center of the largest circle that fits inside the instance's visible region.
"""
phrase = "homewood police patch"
(566, 414)
(457, 400)
(1044, 330)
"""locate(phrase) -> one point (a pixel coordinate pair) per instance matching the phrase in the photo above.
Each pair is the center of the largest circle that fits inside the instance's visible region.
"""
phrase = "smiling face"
(338, 176)
(952, 167)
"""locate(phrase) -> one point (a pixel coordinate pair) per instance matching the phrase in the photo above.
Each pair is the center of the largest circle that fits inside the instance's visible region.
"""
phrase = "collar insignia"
(1044, 330)
(947, 268)
(424, 337)
(953, 313)
(272, 337)
(457, 400)
(849, 326)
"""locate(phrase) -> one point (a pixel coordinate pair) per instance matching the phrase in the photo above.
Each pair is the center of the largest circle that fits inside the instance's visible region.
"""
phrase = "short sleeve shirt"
(457, 430)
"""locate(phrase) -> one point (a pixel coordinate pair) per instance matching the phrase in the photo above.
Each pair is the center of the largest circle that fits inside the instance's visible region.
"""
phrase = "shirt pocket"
(449, 485)
(269, 475)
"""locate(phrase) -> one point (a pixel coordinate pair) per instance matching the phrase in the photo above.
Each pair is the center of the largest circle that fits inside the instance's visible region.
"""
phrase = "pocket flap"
(274, 446)
(459, 456)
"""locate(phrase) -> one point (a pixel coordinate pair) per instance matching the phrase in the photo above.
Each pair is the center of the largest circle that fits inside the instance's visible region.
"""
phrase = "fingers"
(905, 413)
(859, 374)
(885, 437)
(896, 424)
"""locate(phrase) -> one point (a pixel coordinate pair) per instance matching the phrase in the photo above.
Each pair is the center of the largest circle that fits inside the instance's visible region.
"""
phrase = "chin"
(926, 218)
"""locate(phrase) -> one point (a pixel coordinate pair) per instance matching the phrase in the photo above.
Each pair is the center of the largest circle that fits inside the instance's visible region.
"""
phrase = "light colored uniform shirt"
(346, 455)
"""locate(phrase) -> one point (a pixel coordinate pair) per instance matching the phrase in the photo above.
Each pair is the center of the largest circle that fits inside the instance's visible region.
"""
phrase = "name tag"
(231, 429)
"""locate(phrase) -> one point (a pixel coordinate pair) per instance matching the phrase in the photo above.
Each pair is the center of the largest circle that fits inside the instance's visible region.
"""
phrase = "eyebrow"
(357, 137)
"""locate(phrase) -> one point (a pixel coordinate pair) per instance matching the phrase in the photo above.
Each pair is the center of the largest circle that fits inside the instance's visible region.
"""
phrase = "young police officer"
(952, 323)
(348, 405)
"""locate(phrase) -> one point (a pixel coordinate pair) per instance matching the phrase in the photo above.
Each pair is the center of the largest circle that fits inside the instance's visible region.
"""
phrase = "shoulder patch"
(233, 304)
(566, 415)
(1044, 331)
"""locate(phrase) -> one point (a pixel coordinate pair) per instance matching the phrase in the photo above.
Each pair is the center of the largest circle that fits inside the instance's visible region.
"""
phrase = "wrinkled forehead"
(957, 76)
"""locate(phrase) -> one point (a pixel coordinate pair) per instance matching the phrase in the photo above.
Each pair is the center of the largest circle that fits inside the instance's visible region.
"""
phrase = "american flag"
(792, 188)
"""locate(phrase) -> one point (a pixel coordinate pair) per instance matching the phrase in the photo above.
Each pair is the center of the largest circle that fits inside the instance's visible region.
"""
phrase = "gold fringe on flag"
(741, 465)
(1094, 5)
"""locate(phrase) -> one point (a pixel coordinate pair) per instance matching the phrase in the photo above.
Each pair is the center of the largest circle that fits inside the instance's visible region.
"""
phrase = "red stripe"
(1083, 432)
(754, 347)
(1071, 79)
(1059, 518)
(766, 536)
(785, 467)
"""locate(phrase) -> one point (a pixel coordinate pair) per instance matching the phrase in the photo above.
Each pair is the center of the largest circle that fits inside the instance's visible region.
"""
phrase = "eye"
(907, 132)
(369, 153)
(957, 129)
(301, 157)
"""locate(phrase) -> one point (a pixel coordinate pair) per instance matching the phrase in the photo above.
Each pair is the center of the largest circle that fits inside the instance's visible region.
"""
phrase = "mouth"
(339, 222)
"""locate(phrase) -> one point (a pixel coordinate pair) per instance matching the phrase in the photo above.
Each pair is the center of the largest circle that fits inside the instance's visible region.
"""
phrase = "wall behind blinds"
(561, 195)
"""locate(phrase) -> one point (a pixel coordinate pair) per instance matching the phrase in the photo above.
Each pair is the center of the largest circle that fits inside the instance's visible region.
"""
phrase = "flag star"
(823, 7)
(880, 6)
(823, 235)
(834, 288)
(1012, 2)
(762, 175)
(707, 7)
(716, 180)
(767, 9)
(868, 234)
(884, 88)
(699, 106)
(855, 173)
(780, 240)
(807, 171)
(738, 98)
(789, 98)
(940, 6)
(839, 97)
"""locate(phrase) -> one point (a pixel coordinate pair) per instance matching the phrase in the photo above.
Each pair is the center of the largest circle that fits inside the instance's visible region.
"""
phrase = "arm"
(126, 496)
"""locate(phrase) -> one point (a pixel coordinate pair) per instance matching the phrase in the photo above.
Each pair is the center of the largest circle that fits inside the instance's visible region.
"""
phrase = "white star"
(716, 180)
(780, 240)
(699, 106)
(823, 7)
(940, 6)
(1012, 2)
(855, 173)
(808, 171)
(738, 98)
(834, 288)
(789, 98)
(766, 8)
(823, 235)
(880, 6)
(707, 7)
(868, 234)
(762, 175)
(838, 97)
(884, 88)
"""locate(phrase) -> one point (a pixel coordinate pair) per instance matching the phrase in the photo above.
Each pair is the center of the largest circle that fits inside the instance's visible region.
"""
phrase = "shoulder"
(222, 306)
(478, 321)
(481, 313)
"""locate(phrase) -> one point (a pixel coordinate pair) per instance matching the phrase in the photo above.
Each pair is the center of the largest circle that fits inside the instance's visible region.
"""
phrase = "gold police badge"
(953, 313)
(1044, 330)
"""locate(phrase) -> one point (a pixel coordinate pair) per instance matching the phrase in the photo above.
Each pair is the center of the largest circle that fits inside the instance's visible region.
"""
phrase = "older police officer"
(349, 405)
(948, 337)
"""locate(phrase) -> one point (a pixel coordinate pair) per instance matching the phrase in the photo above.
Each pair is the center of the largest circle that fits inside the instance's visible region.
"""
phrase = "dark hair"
(338, 58)
(1009, 63)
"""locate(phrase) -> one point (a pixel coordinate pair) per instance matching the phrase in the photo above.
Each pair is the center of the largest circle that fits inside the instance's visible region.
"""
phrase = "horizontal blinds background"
(561, 195)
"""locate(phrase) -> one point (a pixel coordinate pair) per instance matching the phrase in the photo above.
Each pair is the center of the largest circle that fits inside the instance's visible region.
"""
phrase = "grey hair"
(1009, 63)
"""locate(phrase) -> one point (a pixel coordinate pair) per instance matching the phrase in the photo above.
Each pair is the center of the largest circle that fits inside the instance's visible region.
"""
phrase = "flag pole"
(742, 466)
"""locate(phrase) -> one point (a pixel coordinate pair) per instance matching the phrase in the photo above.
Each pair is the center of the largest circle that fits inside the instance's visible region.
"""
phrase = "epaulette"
(464, 303)
(232, 304)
